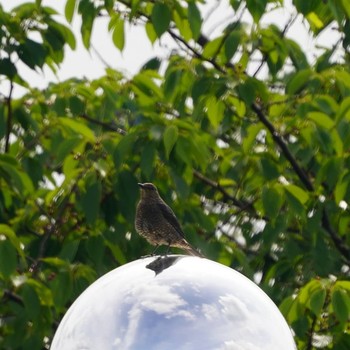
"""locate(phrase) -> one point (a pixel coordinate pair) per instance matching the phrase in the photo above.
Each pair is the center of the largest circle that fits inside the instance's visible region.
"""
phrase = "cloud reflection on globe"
(175, 302)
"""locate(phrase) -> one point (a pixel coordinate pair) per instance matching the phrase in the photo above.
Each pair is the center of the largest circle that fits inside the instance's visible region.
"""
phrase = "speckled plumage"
(156, 222)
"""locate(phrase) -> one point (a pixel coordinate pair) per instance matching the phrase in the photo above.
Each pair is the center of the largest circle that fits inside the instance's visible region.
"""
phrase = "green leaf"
(171, 84)
(298, 81)
(215, 111)
(344, 110)
(145, 83)
(183, 25)
(250, 140)
(346, 7)
(340, 191)
(321, 119)
(269, 168)
(272, 201)
(61, 288)
(123, 149)
(169, 138)
(317, 301)
(152, 64)
(69, 250)
(69, 10)
(60, 35)
(286, 305)
(195, 20)
(95, 248)
(8, 258)
(297, 192)
(315, 21)
(118, 35)
(55, 261)
(7, 68)
(12, 237)
(327, 104)
(338, 144)
(183, 150)
(128, 192)
(297, 55)
(76, 105)
(148, 158)
(345, 285)
(151, 33)
(90, 201)
(161, 17)
(212, 47)
(256, 8)
(79, 128)
(44, 293)
(305, 7)
(32, 53)
(88, 13)
(31, 301)
(341, 304)
(231, 44)
(20, 180)
(251, 89)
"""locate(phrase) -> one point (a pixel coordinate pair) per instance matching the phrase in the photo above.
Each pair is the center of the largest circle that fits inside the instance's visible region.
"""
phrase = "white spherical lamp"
(174, 302)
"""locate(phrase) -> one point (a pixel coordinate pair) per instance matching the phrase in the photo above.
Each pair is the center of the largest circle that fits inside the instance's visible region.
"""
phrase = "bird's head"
(148, 190)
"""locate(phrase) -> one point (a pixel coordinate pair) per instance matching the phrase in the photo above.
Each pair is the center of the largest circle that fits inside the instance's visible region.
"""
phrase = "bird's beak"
(141, 185)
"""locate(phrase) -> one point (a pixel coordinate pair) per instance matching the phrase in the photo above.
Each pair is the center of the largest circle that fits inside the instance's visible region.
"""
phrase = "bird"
(157, 223)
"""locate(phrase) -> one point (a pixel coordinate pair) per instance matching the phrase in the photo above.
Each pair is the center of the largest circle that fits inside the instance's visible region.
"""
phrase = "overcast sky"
(81, 63)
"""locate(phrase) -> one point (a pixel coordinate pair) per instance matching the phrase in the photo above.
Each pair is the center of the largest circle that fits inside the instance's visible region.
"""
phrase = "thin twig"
(100, 57)
(338, 242)
(12, 296)
(217, 186)
(311, 333)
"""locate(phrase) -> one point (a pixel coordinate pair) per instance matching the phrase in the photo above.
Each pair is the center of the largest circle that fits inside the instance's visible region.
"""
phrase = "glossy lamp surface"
(175, 302)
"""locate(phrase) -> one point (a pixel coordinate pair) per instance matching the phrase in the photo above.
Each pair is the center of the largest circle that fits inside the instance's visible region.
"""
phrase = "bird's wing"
(169, 215)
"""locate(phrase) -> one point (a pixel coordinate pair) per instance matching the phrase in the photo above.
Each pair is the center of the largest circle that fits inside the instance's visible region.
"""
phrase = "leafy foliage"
(259, 162)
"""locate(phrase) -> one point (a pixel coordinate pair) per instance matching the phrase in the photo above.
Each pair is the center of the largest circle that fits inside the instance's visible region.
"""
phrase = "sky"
(138, 50)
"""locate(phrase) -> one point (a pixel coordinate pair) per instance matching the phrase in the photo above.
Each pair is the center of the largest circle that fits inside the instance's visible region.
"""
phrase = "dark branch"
(195, 52)
(241, 205)
(280, 142)
(106, 126)
(338, 242)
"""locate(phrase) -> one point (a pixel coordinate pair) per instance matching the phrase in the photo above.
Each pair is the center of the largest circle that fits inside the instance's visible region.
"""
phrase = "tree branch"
(241, 205)
(281, 143)
(338, 242)
(195, 52)
(311, 333)
(106, 126)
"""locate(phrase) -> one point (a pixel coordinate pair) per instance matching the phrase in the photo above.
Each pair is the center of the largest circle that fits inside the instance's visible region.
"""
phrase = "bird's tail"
(189, 249)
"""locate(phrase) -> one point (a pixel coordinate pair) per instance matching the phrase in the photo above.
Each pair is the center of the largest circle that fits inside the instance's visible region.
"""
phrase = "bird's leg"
(167, 250)
(155, 249)
(152, 254)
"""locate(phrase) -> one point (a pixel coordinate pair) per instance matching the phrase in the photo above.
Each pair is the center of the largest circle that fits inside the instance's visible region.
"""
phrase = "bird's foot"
(147, 256)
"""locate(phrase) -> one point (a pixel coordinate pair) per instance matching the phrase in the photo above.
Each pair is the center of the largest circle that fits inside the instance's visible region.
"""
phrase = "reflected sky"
(193, 303)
